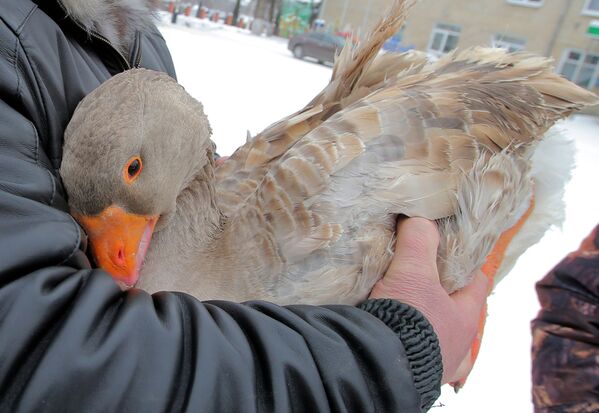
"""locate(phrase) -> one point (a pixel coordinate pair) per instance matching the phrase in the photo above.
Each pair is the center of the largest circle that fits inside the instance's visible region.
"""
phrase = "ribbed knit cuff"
(420, 343)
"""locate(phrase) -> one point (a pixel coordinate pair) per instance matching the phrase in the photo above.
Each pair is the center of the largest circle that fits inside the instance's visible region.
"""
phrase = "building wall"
(352, 15)
(477, 28)
(573, 31)
(536, 25)
(548, 30)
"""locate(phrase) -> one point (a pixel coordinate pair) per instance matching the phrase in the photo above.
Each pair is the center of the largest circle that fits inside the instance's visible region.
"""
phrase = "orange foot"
(490, 268)
(468, 363)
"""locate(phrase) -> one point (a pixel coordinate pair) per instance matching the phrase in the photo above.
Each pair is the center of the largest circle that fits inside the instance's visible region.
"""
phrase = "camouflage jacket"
(565, 349)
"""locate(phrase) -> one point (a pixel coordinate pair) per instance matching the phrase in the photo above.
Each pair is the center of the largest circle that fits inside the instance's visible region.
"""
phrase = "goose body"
(305, 211)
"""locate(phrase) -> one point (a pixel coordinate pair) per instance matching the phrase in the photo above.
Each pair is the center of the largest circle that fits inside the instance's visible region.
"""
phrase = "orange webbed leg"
(490, 267)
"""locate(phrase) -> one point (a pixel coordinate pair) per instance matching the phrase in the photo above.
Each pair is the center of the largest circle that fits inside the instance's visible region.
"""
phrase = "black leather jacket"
(71, 341)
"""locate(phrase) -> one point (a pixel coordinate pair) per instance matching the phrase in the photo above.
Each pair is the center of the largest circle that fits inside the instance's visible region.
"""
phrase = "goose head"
(132, 146)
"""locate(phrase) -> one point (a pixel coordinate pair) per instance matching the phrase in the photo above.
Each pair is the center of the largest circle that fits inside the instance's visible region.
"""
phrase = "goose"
(305, 211)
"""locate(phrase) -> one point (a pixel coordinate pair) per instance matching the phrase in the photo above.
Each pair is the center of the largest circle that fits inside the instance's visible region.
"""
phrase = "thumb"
(415, 249)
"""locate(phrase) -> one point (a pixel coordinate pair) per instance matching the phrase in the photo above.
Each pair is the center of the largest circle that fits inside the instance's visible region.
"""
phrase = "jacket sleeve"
(70, 340)
(566, 334)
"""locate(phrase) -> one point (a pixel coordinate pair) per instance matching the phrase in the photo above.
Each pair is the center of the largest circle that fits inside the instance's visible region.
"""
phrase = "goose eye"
(133, 169)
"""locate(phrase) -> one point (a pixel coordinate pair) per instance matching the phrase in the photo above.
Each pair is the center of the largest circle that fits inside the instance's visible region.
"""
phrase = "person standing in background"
(565, 352)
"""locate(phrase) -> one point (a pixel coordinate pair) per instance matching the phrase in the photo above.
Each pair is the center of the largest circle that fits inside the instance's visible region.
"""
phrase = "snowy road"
(246, 82)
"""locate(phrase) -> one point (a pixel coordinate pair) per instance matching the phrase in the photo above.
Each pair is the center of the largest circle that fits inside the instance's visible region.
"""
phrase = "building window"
(511, 43)
(580, 67)
(527, 3)
(443, 39)
(591, 8)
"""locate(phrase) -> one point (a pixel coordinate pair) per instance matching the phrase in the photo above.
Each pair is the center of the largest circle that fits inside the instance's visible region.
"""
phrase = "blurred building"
(567, 30)
(225, 6)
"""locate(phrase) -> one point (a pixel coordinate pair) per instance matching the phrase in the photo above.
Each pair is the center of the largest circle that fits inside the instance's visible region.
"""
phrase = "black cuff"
(420, 343)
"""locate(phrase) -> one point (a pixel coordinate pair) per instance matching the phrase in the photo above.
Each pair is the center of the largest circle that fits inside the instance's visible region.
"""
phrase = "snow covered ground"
(247, 82)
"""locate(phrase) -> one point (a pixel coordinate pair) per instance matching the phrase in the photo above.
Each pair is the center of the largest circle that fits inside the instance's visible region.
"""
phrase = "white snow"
(247, 82)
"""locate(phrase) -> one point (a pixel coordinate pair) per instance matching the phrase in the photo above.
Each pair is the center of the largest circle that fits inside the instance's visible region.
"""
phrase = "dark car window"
(336, 40)
(317, 36)
(329, 39)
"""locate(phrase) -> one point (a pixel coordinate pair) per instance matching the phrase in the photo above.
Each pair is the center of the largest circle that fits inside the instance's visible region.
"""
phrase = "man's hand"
(413, 278)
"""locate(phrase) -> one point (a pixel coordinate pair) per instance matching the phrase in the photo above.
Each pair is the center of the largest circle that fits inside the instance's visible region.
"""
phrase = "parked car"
(320, 46)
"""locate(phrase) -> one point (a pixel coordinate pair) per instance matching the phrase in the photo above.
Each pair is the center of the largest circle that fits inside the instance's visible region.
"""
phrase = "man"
(70, 340)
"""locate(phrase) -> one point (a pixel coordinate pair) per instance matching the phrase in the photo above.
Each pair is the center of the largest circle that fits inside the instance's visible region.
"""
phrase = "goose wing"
(357, 73)
(470, 120)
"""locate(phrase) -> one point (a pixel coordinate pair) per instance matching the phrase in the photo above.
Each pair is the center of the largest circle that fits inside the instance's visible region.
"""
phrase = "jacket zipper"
(123, 60)
(137, 48)
(104, 40)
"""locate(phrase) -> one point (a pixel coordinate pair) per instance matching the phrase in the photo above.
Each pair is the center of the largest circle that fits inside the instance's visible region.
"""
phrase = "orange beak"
(119, 241)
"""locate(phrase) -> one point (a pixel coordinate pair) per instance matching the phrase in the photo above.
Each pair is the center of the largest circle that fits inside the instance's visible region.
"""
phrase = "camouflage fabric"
(566, 334)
